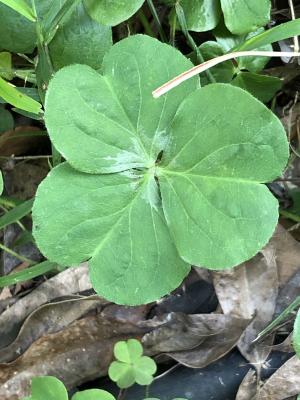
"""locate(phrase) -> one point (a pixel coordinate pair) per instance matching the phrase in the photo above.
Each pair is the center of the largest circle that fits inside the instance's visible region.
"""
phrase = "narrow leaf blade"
(21, 7)
(12, 96)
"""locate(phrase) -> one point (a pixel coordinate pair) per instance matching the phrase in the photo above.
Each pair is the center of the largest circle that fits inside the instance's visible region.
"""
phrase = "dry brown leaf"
(287, 254)
(49, 318)
(250, 291)
(284, 383)
(12, 144)
(248, 387)
(194, 340)
(70, 281)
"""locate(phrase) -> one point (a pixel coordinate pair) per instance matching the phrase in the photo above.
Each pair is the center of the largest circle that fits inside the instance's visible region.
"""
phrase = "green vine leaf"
(296, 335)
(158, 184)
(131, 367)
(217, 188)
(241, 16)
(112, 12)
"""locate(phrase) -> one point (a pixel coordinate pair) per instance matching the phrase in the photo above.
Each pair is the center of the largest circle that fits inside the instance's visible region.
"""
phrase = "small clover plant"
(51, 388)
(152, 186)
(131, 366)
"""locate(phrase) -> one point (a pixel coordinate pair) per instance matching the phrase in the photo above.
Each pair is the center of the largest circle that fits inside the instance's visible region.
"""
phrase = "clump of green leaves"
(153, 186)
(131, 366)
(240, 18)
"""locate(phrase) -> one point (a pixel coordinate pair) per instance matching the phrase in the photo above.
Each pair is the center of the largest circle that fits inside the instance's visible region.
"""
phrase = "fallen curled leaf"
(17, 142)
(287, 254)
(248, 387)
(284, 383)
(194, 340)
(250, 291)
(48, 318)
(70, 281)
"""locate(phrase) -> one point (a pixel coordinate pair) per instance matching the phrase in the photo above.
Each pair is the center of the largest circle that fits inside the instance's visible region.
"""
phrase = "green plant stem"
(173, 25)
(13, 253)
(145, 23)
(183, 25)
(290, 215)
(28, 273)
(121, 395)
(156, 19)
(277, 321)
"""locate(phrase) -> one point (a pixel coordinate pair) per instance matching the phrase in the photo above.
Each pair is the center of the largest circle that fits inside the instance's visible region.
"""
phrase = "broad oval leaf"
(93, 394)
(211, 175)
(112, 13)
(201, 15)
(109, 123)
(80, 39)
(296, 335)
(48, 387)
(243, 16)
(115, 221)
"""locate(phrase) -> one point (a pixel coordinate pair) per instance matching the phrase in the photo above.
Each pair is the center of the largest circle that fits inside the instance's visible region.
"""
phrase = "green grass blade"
(12, 96)
(28, 273)
(280, 32)
(16, 213)
(21, 7)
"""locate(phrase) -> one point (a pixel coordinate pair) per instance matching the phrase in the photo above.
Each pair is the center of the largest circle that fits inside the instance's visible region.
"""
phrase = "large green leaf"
(243, 16)
(79, 39)
(211, 176)
(48, 387)
(207, 158)
(98, 217)
(112, 13)
(201, 15)
(296, 334)
(119, 125)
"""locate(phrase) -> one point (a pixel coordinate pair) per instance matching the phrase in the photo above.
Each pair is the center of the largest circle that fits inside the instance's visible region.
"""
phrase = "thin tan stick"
(212, 63)
(296, 40)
